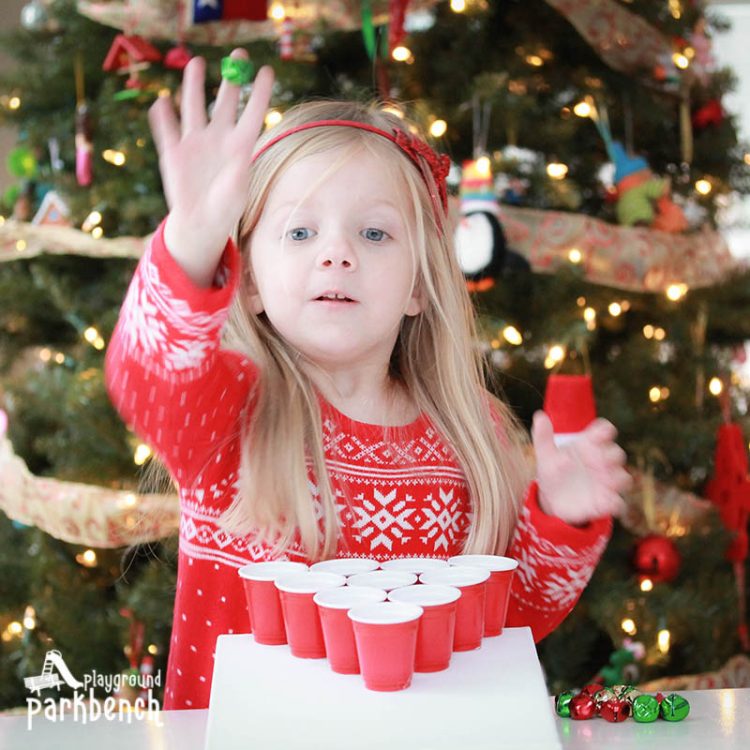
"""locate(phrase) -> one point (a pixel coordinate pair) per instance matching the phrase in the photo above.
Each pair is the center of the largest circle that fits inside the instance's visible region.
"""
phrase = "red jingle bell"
(657, 558)
(615, 710)
(582, 706)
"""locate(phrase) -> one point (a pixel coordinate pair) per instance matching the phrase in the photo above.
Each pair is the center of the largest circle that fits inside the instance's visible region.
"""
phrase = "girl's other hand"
(205, 164)
(582, 480)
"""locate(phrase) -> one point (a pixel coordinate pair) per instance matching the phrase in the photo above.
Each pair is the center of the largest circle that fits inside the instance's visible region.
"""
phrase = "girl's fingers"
(193, 109)
(163, 122)
(225, 109)
(251, 121)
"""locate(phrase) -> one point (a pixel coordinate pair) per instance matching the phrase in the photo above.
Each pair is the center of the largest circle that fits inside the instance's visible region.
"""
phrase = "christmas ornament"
(34, 16)
(674, 707)
(710, 114)
(562, 703)
(657, 558)
(645, 709)
(84, 145)
(53, 211)
(177, 57)
(22, 163)
(130, 55)
(582, 707)
(703, 63)
(615, 710)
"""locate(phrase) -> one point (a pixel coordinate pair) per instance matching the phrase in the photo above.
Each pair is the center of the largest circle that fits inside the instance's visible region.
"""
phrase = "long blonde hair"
(436, 359)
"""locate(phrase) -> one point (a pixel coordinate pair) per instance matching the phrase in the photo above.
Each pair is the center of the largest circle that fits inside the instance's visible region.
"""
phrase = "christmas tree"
(603, 171)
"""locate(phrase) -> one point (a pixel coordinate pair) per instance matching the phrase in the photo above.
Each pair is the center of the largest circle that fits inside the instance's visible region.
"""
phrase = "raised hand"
(205, 165)
(582, 480)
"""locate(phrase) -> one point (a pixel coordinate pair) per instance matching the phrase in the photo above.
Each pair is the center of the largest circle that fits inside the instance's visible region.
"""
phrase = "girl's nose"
(337, 252)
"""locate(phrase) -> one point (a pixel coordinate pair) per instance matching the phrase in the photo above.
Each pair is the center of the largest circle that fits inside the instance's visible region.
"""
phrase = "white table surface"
(718, 719)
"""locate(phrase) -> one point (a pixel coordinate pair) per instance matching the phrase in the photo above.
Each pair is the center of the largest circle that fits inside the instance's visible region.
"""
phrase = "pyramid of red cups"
(384, 621)
(619, 702)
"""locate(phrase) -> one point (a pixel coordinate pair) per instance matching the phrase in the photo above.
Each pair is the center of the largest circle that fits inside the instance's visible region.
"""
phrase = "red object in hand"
(582, 706)
(615, 710)
(657, 558)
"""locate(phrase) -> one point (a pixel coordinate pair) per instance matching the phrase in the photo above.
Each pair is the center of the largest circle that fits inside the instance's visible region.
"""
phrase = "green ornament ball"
(21, 162)
(645, 709)
(674, 708)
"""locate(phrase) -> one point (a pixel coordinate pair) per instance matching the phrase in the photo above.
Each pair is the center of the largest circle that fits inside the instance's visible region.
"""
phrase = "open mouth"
(334, 299)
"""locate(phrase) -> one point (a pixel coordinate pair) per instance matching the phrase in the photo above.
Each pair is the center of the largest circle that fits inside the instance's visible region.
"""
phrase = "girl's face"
(345, 235)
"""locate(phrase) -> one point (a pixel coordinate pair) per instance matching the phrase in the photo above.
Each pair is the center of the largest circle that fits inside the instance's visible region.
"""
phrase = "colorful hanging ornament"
(129, 54)
(84, 145)
(710, 114)
(656, 557)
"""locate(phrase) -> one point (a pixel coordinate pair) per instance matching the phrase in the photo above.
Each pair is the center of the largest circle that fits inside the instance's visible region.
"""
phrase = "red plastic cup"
(303, 631)
(414, 565)
(263, 604)
(498, 587)
(470, 610)
(338, 633)
(383, 579)
(437, 625)
(386, 638)
(346, 566)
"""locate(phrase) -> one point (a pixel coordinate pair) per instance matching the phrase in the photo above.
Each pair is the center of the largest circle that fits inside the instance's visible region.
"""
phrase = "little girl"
(346, 413)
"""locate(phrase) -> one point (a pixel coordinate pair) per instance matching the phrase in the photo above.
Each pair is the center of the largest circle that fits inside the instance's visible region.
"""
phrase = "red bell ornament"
(657, 558)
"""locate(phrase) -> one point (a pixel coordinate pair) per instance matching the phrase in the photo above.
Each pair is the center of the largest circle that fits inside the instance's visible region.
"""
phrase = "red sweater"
(181, 393)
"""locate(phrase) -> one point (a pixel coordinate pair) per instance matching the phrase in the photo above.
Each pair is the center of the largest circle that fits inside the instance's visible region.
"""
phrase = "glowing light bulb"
(583, 109)
(647, 584)
(665, 393)
(87, 558)
(581, 301)
(90, 334)
(92, 220)
(113, 156)
(512, 335)
(675, 292)
(141, 455)
(654, 394)
(276, 12)
(401, 53)
(715, 386)
(438, 128)
(45, 354)
(704, 187)
(152, 649)
(21, 245)
(648, 331)
(535, 61)
(589, 314)
(483, 166)
(458, 6)
(680, 60)
(557, 170)
(663, 639)
(14, 102)
(660, 334)
(615, 309)
(15, 628)
(575, 255)
(628, 626)
(59, 358)
(273, 117)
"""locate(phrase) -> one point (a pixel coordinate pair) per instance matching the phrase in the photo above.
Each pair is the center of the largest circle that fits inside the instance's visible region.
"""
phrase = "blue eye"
(300, 233)
(374, 235)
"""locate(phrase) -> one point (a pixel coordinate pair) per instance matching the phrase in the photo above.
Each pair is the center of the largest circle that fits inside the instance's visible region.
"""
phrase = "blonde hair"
(436, 359)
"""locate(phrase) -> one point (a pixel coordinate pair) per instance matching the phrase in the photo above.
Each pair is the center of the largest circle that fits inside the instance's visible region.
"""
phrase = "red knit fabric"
(181, 393)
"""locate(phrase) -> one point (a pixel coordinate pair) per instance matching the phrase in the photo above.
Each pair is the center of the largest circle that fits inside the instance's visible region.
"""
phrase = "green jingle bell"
(674, 708)
(645, 709)
(562, 703)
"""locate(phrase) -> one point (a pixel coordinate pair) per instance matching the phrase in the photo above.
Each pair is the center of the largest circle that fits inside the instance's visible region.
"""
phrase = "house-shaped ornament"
(52, 212)
(130, 54)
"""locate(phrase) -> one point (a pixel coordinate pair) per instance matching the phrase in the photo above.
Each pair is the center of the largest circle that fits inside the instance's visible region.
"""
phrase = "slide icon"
(48, 678)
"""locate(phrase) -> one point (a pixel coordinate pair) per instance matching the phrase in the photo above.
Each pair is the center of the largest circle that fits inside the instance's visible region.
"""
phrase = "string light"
(660, 334)
(45, 354)
(458, 6)
(140, 142)
(91, 334)
(87, 558)
(535, 61)
(575, 255)
(746, 159)
(581, 301)
(15, 628)
(648, 331)
(715, 386)
(438, 128)
(675, 8)
(92, 220)
(704, 187)
(276, 12)
(647, 585)
(401, 54)
(113, 156)
(273, 117)
(675, 292)
(615, 309)
(654, 394)
(680, 60)
(557, 170)
(555, 355)
(141, 455)
(2, 220)
(21, 245)
(512, 335)
(628, 626)
(97, 233)
(59, 358)
(14, 102)
(29, 618)
(152, 649)
(483, 166)
(663, 638)
(583, 109)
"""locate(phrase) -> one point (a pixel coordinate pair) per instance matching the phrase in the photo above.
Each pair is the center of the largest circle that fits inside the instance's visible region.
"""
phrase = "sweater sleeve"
(164, 369)
(556, 562)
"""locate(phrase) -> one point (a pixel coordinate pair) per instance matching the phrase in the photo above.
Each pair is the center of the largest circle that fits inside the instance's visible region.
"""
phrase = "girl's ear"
(255, 303)
(417, 301)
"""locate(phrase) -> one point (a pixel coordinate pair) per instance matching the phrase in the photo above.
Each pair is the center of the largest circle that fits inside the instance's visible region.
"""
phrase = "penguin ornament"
(481, 247)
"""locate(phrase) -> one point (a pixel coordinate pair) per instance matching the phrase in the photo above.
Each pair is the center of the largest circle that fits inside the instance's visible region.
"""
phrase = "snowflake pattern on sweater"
(180, 392)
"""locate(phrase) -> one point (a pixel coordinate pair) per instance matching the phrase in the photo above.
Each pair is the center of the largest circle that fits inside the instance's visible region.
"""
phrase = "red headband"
(413, 147)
